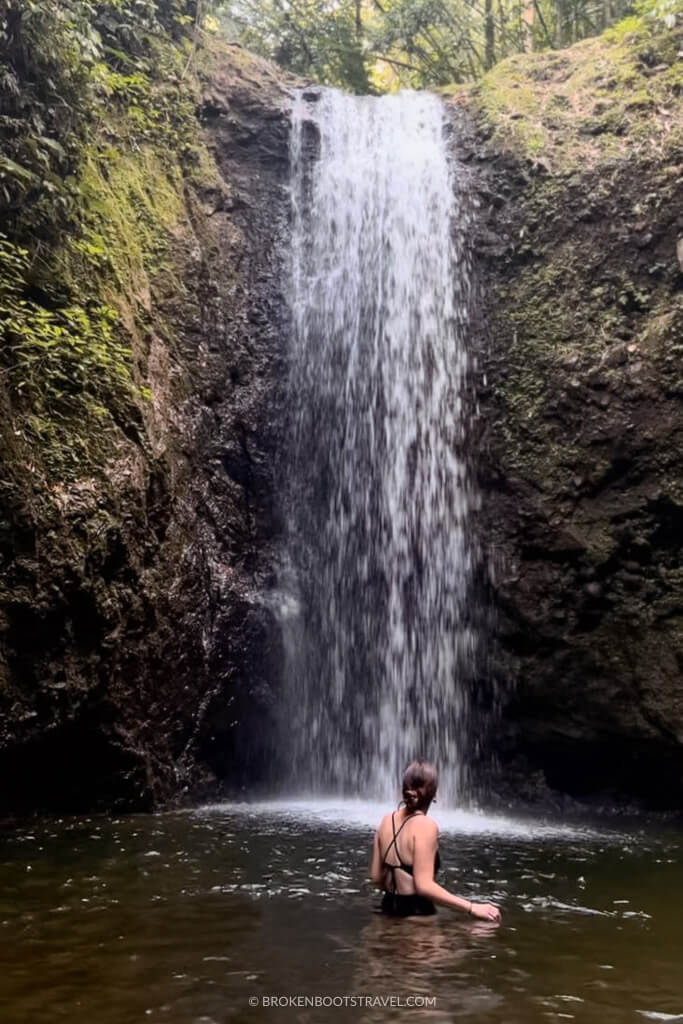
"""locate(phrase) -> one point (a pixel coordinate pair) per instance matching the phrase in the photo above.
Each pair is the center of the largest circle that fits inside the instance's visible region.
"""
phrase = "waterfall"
(379, 635)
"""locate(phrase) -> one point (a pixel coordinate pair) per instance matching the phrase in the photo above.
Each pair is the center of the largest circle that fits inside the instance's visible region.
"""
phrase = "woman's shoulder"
(425, 825)
(386, 820)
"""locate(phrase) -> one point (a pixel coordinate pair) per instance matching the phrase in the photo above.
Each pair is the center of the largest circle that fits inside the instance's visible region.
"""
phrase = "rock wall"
(578, 156)
(134, 615)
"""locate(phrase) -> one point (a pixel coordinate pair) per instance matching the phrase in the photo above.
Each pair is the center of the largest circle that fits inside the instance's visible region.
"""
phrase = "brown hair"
(420, 780)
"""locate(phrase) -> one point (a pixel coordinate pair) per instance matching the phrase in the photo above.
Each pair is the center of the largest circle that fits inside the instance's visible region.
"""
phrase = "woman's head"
(420, 780)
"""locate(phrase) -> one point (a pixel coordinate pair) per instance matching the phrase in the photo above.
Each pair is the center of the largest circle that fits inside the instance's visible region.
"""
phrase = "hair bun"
(419, 785)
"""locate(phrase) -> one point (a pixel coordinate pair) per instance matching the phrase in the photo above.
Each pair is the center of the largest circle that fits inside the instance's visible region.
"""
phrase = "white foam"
(367, 814)
(653, 1015)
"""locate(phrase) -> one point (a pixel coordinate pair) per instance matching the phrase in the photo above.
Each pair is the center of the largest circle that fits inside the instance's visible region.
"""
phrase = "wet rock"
(587, 496)
(139, 654)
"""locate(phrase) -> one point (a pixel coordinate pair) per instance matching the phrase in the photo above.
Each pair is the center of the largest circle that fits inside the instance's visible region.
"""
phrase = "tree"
(324, 41)
(372, 45)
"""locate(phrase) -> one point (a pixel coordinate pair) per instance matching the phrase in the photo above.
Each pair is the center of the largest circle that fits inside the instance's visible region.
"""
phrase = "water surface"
(183, 917)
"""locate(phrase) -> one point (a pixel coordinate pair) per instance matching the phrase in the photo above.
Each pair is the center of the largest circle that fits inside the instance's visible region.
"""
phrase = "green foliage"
(660, 13)
(317, 40)
(130, 28)
(375, 45)
(59, 360)
(59, 59)
(151, 112)
(98, 118)
(428, 43)
(47, 53)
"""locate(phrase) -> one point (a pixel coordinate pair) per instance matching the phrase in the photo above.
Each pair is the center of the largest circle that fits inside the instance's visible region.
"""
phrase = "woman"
(405, 855)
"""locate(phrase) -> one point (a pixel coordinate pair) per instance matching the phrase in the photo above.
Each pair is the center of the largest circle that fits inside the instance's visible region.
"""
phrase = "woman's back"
(398, 832)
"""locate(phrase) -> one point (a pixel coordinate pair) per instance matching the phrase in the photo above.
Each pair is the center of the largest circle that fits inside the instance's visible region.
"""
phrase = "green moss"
(452, 91)
(591, 102)
(133, 202)
(74, 316)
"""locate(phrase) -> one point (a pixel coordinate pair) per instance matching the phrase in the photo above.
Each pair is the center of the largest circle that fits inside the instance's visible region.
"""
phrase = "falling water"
(379, 638)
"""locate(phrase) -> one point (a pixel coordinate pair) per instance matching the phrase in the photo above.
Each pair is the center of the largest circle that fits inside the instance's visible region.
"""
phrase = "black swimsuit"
(399, 904)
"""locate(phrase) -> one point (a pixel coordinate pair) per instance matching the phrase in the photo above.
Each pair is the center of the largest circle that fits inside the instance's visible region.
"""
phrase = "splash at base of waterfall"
(353, 814)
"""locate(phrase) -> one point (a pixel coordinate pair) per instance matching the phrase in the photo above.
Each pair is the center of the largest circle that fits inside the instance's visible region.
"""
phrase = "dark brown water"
(182, 918)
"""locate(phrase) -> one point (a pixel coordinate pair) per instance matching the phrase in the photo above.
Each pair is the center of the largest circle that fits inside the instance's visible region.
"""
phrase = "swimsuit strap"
(394, 867)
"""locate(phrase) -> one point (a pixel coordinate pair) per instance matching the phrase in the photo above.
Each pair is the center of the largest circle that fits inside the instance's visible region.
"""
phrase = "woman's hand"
(485, 911)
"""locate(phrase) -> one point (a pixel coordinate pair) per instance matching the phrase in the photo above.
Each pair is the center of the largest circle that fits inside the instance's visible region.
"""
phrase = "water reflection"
(422, 957)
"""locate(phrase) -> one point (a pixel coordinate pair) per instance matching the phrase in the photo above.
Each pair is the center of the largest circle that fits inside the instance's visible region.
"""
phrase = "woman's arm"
(376, 869)
(425, 846)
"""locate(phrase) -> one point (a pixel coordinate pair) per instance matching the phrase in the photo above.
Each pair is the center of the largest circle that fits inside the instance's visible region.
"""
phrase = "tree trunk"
(529, 17)
(490, 35)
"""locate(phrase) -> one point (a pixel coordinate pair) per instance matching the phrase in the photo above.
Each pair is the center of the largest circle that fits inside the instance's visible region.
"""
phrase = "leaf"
(8, 166)
(52, 144)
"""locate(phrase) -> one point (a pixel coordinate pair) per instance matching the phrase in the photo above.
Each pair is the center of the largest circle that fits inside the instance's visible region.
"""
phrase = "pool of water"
(208, 916)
